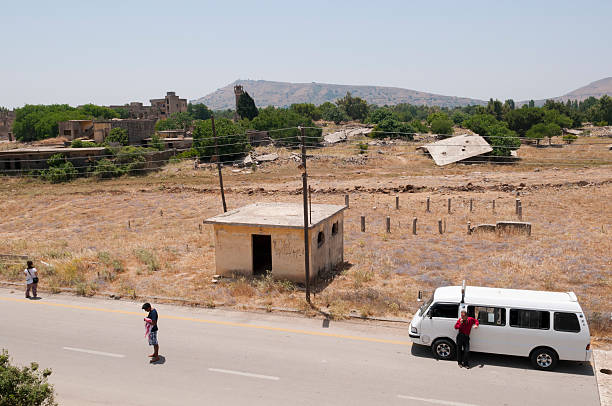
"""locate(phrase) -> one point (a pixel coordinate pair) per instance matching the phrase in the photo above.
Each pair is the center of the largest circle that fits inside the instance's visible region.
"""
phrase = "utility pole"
(306, 219)
(212, 118)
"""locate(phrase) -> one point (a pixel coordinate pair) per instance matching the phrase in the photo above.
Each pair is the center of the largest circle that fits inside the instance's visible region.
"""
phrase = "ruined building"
(158, 110)
(7, 117)
(238, 91)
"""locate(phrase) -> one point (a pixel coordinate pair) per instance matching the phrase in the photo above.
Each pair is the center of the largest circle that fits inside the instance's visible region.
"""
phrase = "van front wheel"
(443, 349)
(544, 359)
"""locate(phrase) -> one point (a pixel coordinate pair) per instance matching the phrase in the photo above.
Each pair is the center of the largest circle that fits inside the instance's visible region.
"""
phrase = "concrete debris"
(572, 132)
(266, 158)
(345, 134)
(458, 148)
(505, 227)
(247, 161)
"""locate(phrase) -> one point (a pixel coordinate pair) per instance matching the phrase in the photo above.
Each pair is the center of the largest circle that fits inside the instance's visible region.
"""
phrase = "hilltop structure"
(158, 110)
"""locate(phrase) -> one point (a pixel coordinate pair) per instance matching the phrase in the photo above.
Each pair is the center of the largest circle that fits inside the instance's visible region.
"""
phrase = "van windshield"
(425, 306)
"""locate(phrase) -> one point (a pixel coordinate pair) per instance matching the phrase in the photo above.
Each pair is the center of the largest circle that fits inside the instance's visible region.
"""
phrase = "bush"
(157, 143)
(82, 144)
(119, 135)
(502, 139)
(190, 153)
(106, 169)
(231, 139)
(392, 128)
(131, 159)
(59, 170)
(442, 126)
(25, 386)
(569, 138)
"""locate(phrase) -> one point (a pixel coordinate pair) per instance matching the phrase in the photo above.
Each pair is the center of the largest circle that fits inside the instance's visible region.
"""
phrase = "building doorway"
(262, 254)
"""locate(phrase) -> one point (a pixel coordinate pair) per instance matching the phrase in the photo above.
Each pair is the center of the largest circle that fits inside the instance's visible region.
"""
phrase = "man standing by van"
(464, 325)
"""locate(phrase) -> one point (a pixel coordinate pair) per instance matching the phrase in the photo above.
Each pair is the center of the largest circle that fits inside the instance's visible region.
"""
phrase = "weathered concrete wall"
(234, 252)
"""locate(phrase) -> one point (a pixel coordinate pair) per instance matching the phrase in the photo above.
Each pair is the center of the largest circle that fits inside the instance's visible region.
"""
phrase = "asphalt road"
(98, 354)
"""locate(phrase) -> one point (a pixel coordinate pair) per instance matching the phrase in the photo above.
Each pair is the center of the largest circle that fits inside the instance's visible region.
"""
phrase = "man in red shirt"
(464, 325)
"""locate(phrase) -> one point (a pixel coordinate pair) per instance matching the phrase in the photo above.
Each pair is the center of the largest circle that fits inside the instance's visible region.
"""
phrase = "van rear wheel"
(544, 359)
(443, 349)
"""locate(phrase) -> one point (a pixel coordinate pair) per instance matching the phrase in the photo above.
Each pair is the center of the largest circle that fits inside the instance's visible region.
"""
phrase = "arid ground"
(143, 236)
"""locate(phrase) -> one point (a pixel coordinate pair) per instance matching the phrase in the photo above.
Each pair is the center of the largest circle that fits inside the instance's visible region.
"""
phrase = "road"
(98, 354)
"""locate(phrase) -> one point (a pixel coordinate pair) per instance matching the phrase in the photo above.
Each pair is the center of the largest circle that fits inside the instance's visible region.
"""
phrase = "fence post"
(414, 226)
(397, 202)
(346, 201)
(449, 205)
(427, 210)
(520, 210)
(493, 205)
(388, 224)
(471, 205)
(362, 224)
(469, 230)
(517, 204)
(440, 226)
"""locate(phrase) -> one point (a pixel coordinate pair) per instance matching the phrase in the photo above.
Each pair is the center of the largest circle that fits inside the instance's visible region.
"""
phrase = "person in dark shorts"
(31, 280)
(464, 325)
(152, 320)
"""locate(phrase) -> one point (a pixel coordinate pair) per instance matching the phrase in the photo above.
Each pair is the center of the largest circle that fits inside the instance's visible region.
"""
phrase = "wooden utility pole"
(212, 118)
(306, 219)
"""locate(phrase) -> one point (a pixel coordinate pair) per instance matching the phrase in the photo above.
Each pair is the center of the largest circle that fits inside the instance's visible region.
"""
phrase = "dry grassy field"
(143, 236)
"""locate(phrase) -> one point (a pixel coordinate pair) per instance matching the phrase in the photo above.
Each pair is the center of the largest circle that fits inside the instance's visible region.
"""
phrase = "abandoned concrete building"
(169, 105)
(269, 237)
(7, 117)
(14, 161)
(138, 129)
(73, 129)
(159, 108)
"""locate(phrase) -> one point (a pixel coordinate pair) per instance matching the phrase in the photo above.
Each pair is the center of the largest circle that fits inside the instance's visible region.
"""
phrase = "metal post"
(310, 203)
(306, 219)
(414, 226)
(427, 210)
(212, 118)
(363, 224)
(346, 201)
(397, 202)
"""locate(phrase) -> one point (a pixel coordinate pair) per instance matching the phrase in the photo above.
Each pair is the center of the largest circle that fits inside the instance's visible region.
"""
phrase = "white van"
(544, 326)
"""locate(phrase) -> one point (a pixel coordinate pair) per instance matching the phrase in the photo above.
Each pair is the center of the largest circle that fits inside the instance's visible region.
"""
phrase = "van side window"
(530, 319)
(446, 310)
(567, 322)
(491, 316)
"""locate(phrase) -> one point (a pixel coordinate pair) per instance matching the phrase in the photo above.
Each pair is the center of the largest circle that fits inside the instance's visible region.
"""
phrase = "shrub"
(442, 126)
(119, 135)
(569, 138)
(147, 258)
(363, 147)
(392, 128)
(157, 143)
(106, 169)
(82, 144)
(25, 386)
(131, 159)
(59, 170)
(231, 139)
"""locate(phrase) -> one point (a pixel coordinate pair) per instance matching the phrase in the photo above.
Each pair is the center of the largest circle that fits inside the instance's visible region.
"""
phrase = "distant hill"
(596, 89)
(283, 94)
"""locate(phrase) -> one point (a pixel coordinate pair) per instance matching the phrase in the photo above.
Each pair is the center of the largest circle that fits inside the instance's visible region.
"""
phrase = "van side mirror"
(430, 314)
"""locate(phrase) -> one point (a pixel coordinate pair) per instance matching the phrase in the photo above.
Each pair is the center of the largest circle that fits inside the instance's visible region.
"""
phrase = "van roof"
(526, 299)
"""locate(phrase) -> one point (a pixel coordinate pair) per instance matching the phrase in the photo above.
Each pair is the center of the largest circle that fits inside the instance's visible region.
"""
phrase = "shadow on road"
(160, 361)
(482, 360)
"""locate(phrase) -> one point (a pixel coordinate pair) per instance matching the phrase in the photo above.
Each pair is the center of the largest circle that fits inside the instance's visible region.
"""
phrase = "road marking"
(106, 354)
(250, 375)
(435, 401)
(217, 322)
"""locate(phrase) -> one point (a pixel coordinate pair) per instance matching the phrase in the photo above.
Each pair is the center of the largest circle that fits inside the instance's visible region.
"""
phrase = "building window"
(567, 322)
(66, 132)
(335, 228)
(535, 319)
(320, 239)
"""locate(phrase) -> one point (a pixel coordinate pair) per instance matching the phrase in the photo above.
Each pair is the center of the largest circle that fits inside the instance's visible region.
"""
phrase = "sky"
(114, 52)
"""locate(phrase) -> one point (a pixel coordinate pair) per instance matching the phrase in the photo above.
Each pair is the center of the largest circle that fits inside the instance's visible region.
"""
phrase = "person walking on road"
(464, 325)
(31, 280)
(151, 330)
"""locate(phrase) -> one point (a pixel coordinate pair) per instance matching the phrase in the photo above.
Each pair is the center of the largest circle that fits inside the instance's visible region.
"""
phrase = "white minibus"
(544, 326)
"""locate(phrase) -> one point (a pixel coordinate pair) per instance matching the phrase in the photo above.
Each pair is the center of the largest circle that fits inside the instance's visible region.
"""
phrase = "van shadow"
(482, 360)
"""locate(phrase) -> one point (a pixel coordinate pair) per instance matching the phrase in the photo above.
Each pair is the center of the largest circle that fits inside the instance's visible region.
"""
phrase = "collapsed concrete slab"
(459, 148)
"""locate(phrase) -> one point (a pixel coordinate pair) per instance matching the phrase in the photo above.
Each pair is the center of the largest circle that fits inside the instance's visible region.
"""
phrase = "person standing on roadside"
(31, 280)
(151, 321)
(464, 325)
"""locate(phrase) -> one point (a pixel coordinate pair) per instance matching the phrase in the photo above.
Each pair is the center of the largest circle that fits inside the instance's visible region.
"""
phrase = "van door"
(439, 321)
(491, 334)
(527, 329)
(569, 338)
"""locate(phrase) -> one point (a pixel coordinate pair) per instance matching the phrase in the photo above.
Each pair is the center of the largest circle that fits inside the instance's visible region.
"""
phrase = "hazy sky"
(118, 51)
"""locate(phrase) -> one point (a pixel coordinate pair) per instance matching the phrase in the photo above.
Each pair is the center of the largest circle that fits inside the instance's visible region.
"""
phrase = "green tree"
(392, 128)
(376, 116)
(495, 108)
(307, 110)
(199, 111)
(521, 120)
(509, 104)
(440, 123)
(282, 126)
(24, 386)
(59, 169)
(354, 107)
(119, 135)
(496, 133)
(231, 139)
(99, 112)
(537, 132)
(246, 107)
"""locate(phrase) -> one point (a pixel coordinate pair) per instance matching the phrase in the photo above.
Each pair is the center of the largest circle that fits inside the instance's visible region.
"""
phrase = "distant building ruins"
(238, 91)
(138, 130)
(269, 237)
(159, 109)
(7, 117)
(14, 161)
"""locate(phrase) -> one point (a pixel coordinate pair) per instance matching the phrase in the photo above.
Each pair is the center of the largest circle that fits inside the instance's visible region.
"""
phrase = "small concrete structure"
(16, 161)
(457, 148)
(265, 237)
(502, 227)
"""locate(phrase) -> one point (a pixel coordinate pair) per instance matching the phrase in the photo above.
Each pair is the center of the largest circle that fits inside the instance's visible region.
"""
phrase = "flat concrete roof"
(457, 148)
(284, 215)
(49, 149)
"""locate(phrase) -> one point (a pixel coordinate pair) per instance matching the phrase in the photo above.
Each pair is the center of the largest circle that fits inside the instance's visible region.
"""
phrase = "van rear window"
(567, 322)
(535, 319)
(493, 316)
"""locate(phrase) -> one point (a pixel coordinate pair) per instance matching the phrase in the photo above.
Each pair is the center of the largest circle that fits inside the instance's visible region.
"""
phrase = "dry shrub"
(242, 288)
(339, 310)
(147, 258)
